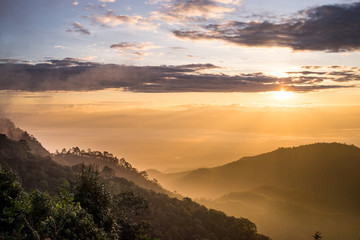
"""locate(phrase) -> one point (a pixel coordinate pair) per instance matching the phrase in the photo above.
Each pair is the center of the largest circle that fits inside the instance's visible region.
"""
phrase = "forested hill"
(8, 128)
(97, 205)
(74, 156)
(120, 167)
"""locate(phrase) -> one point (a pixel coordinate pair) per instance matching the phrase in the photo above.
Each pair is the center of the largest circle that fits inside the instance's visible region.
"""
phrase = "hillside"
(121, 167)
(289, 192)
(109, 206)
(75, 156)
(8, 128)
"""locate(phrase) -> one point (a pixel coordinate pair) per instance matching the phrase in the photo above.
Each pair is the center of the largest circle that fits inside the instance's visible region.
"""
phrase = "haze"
(176, 136)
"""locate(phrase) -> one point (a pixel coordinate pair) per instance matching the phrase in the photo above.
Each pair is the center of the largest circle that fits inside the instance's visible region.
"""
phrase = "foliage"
(10, 190)
(36, 215)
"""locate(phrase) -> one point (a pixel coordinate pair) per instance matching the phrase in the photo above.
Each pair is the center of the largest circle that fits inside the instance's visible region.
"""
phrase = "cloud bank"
(71, 74)
(332, 28)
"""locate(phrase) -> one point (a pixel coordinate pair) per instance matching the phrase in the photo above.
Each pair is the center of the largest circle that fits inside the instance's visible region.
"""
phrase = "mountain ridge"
(289, 192)
(305, 159)
(75, 156)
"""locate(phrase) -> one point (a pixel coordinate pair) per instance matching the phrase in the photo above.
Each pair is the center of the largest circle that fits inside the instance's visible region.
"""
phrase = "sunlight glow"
(283, 95)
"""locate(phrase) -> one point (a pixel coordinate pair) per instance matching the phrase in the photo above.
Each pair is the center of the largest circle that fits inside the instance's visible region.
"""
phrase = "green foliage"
(10, 190)
(92, 196)
(36, 215)
(69, 221)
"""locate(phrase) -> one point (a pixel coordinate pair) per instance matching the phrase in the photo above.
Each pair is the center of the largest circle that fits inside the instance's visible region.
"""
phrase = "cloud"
(178, 48)
(91, 6)
(72, 74)
(136, 48)
(132, 46)
(193, 10)
(106, 1)
(59, 46)
(153, 2)
(233, 2)
(110, 19)
(75, 3)
(331, 28)
(77, 27)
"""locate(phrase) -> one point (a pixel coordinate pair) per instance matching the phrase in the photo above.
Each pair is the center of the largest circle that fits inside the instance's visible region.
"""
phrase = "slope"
(75, 156)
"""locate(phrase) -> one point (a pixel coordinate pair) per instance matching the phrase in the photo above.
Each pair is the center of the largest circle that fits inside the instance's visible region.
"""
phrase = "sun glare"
(282, 95)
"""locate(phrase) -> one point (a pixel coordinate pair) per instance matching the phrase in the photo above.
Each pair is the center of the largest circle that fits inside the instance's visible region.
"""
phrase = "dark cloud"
(71, 74)
(77, 27)
(311, 67)
(132, 46)
(123, 45)
(332, 28)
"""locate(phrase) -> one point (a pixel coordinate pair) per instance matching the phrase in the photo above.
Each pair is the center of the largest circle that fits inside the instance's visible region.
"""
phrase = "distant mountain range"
(289, 192)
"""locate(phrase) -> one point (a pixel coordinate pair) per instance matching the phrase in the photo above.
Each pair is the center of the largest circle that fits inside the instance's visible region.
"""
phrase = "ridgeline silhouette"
(287, 192)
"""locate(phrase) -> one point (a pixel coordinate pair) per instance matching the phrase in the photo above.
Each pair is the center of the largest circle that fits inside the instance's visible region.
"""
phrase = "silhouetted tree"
(317, 236)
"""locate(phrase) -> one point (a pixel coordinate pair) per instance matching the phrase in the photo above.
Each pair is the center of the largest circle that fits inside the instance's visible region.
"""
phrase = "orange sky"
(184, 130)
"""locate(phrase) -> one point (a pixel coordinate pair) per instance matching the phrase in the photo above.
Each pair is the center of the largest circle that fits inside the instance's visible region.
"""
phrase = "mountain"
(289, 192)
(36, 171)
(120, 167)
(8, 128)
(107, 205)
(75, 156)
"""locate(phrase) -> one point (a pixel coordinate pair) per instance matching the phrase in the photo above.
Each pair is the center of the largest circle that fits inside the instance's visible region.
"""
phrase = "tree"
(317, 236)
(69, 221)
(130, 212)
(92, 196)
(36, 208)
(107, 172)
(10, 190)
(36, 215)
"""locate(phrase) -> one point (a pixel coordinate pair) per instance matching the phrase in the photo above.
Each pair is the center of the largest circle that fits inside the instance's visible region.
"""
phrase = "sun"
(283, 95)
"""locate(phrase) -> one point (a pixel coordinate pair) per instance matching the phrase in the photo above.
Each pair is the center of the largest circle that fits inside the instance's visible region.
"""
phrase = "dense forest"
(41, 199)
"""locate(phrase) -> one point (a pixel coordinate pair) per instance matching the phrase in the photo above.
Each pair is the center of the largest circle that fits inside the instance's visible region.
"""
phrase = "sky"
(181, 84)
